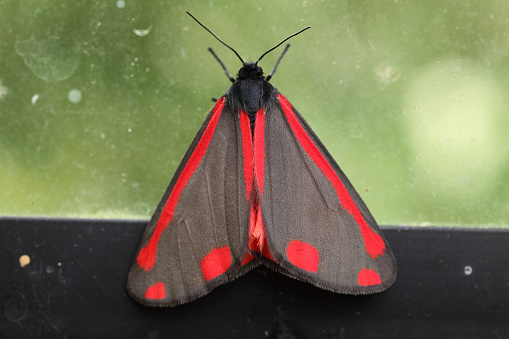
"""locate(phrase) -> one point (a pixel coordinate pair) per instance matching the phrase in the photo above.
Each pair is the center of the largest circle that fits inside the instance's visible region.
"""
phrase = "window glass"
(99, 100)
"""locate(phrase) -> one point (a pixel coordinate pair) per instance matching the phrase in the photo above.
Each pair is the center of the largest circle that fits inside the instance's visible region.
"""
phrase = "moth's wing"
(198, 233)
(318, 228)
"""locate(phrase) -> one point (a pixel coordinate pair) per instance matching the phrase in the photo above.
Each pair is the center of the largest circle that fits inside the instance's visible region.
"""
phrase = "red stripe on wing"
(147, 256)
(254, 165)
(374, 243)
(259, 150)
(247, 151)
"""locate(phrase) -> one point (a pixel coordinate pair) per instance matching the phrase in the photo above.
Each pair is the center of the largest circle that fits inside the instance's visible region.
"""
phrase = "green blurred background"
(99, 100)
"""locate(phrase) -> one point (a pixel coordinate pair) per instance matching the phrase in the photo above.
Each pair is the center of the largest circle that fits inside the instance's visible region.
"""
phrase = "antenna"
(232, 79)
(273, 48)
(277, 63)
(224, 43)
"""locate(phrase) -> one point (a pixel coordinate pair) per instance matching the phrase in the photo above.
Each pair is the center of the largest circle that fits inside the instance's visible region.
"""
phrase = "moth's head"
(250, 70)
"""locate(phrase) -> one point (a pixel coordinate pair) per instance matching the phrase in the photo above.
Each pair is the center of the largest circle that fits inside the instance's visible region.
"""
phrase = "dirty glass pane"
(99, 100)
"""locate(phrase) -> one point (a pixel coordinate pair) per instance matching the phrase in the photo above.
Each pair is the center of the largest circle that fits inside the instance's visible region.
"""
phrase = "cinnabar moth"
(257, 186)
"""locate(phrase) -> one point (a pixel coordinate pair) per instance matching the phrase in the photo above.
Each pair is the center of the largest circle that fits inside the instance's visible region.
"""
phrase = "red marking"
(247, 258)
(373, 242)
(265, 251)
(256, 229)
(303, 255)
(259, 149)
(257, 241)
(247, 151)
(155, 291)
(147, 256)
(216, 262)
(368, 278)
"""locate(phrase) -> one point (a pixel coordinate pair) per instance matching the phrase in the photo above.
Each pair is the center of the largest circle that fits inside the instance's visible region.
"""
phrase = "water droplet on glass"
(74, 96)
(142, 32)
(3, 91)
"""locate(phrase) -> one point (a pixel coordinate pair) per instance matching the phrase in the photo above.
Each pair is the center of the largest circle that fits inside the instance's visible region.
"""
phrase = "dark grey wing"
(318, 228)
(198, 233)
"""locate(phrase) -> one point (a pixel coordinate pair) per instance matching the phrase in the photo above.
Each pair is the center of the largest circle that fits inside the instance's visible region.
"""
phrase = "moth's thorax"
(250, 91)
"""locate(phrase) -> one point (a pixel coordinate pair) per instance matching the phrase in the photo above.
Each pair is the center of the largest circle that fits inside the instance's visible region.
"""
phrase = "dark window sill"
(74, 287)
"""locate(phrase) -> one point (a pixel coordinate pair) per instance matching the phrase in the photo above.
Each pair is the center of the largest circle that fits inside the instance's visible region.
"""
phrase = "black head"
(250, 70)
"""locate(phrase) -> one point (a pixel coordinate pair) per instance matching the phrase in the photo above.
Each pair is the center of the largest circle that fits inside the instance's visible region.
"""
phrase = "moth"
(257, 186)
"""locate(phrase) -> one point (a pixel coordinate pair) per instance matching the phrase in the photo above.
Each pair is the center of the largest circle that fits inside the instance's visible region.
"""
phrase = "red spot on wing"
(155, 291)
(216, 262)
(147, 256)
(368, 278)
(303, 255)
(373, 242)
(247, 151)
